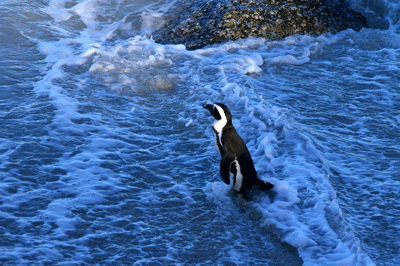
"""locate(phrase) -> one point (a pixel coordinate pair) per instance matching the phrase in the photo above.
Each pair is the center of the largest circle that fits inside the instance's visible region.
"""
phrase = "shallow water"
(107, 156)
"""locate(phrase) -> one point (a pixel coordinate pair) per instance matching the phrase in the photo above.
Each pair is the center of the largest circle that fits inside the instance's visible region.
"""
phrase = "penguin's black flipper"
(225, 166)
(265, 185)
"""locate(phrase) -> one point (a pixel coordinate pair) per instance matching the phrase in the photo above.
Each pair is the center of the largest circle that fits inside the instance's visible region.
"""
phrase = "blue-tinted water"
(107, 157)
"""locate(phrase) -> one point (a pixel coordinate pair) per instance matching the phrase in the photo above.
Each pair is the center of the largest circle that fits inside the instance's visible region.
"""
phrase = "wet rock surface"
(205, 22)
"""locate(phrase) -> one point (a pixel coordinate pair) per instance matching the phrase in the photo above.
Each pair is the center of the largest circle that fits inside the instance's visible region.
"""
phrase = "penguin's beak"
(208, 107)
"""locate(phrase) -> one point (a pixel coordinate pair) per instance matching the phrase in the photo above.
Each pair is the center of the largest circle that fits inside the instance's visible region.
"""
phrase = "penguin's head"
(220, 112)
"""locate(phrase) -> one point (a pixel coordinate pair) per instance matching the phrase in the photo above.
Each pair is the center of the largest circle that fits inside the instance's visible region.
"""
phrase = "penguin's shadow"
(252, 195)
(244, 204)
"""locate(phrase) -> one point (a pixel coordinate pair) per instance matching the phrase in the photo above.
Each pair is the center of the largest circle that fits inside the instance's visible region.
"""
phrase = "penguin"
(236, 162)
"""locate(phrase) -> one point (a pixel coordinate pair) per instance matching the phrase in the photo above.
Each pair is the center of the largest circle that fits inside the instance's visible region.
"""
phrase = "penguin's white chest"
(220, 124)
(218, 128)
(218, 142)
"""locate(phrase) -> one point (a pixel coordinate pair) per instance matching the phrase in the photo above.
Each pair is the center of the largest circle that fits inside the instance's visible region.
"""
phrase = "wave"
(304, 213)
(119, 97)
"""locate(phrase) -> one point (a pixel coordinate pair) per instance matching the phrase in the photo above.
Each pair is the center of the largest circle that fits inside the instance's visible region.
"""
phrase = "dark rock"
(205, 22)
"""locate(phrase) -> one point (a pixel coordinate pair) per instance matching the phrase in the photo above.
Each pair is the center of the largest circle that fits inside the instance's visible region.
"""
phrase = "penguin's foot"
(265, 186)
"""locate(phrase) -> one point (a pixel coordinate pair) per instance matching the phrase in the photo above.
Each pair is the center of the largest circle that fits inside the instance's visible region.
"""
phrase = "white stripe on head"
(219, 125)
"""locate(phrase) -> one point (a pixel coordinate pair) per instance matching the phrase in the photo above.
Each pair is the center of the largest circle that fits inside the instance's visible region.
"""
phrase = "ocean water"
(107, 157)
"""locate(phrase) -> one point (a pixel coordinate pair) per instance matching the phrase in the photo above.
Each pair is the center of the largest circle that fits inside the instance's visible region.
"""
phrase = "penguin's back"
(235, 144)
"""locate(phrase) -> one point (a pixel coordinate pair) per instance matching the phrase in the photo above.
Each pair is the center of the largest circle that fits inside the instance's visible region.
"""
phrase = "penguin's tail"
(265, 185)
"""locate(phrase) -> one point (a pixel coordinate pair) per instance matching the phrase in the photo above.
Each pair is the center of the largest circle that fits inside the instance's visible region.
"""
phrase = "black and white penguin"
(236, 162)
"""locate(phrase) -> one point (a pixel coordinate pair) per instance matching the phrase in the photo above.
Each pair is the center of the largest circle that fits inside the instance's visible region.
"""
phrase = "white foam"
(58, 55)
(56, 8)
(151, 21)
(189, 123)
(252, 69)
(289, 59)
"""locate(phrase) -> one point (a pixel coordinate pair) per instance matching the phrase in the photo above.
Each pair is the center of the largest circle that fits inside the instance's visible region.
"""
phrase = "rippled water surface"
(107, 157)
